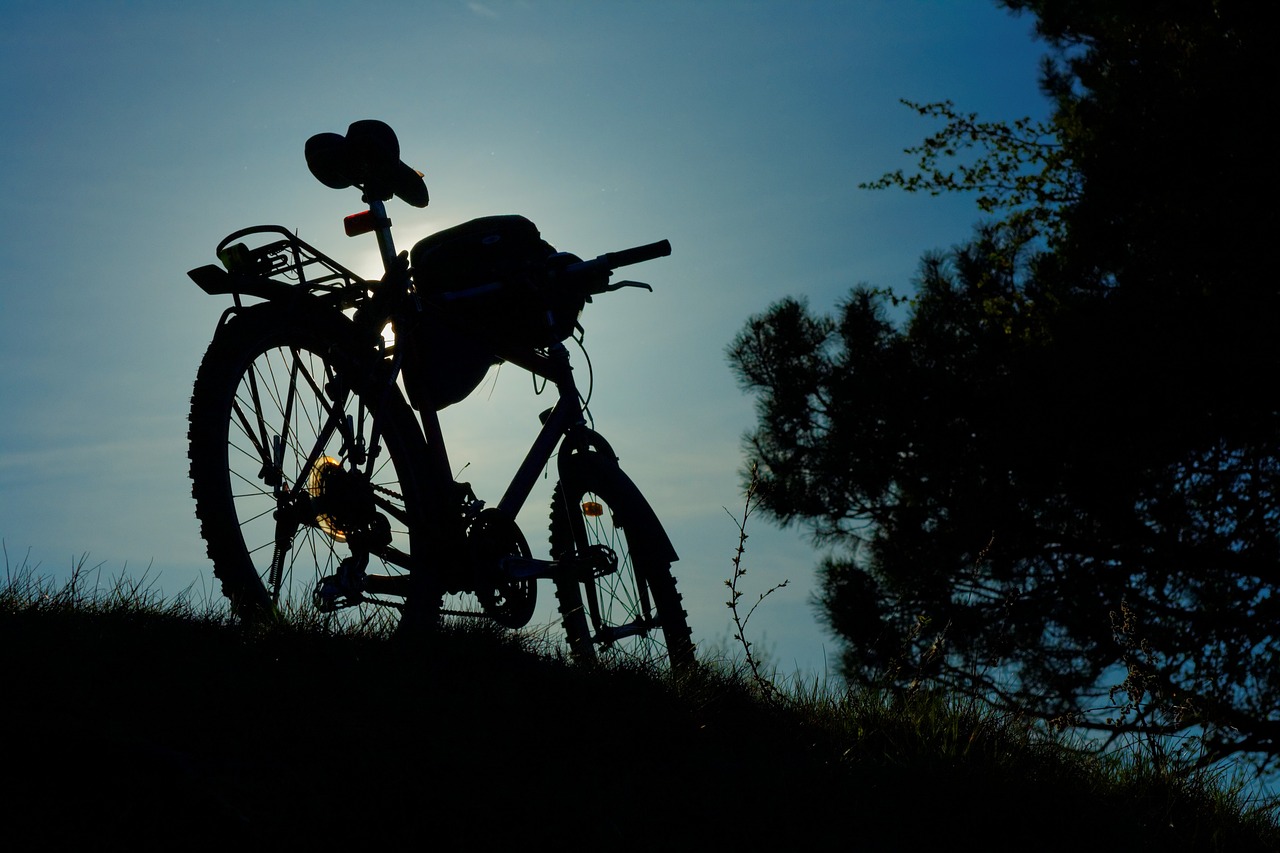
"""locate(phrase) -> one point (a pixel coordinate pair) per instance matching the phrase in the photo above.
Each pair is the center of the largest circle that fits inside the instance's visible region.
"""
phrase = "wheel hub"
(342, 501)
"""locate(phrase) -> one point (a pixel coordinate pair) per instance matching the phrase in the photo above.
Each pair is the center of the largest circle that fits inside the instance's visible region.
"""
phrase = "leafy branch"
(1020, 167)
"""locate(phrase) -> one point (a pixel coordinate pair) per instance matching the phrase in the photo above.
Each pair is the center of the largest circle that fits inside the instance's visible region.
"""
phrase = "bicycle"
(320, 475)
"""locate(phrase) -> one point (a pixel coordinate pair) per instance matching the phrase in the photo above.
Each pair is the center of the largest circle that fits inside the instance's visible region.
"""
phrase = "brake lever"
(619, 285)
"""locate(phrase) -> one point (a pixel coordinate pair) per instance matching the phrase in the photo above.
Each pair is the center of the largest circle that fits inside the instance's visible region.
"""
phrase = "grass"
(153, 722)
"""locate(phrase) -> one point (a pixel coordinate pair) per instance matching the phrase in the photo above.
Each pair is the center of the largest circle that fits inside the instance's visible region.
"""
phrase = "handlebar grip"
(638, 254)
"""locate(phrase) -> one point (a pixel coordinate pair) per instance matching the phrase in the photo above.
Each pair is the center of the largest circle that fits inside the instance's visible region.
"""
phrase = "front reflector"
(592, 509)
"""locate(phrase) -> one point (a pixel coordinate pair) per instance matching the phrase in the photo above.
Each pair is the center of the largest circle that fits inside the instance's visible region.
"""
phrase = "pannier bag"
(485, 285)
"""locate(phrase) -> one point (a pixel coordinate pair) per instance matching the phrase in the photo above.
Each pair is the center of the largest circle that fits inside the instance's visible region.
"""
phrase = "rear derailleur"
(344, 588)
(347, 586)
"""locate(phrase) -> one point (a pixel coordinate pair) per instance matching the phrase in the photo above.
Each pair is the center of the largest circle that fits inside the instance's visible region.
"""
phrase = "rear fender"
(325, 320)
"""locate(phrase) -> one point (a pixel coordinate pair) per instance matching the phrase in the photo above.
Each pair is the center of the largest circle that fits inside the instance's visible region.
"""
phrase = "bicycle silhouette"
(316, 484)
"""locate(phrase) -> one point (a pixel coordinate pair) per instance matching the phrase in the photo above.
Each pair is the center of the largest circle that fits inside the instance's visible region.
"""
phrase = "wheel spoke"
(257, 409)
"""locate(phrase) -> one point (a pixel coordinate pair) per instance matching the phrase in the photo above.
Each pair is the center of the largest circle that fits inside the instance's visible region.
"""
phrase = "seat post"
(386, 246)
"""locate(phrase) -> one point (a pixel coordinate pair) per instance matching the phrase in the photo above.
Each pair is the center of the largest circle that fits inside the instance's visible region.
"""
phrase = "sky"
(138, 134)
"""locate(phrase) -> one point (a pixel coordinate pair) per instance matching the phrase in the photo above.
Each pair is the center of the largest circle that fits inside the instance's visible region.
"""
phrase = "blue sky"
(138, 134)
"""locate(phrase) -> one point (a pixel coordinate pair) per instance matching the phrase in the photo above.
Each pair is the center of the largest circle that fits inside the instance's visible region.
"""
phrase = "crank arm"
(523, 568)
(595, 563)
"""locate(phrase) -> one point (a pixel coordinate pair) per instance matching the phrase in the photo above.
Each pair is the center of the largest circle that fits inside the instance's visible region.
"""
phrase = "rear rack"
(278, 268)
(287, 257)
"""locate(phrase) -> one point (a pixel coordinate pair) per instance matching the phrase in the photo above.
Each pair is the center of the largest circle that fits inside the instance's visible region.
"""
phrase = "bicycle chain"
(387, 491)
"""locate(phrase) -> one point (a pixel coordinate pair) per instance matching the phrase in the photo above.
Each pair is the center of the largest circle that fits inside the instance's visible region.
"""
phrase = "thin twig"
(740, 621)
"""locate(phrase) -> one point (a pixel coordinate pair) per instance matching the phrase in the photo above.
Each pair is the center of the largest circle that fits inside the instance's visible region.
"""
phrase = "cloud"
(482, 10)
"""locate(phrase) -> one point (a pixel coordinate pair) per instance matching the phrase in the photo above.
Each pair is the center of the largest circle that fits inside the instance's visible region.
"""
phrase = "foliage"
(1057, 483)
(1164, 112)
(1021, 171)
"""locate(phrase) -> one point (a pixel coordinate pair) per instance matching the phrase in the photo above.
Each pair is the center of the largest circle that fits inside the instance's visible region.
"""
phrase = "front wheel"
(616, 593)
(302, 468)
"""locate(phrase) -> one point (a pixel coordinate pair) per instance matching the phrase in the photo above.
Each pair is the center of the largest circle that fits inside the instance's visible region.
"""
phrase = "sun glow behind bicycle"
(326, 465)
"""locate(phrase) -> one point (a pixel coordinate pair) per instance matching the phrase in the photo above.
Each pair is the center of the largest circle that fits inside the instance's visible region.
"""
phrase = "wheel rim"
(621, 608)
(293, 429)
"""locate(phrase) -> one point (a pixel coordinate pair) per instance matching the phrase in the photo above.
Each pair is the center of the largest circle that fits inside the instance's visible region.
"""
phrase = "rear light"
(362, 223)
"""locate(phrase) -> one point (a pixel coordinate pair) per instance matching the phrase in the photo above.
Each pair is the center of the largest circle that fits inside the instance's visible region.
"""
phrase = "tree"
(1056, 485)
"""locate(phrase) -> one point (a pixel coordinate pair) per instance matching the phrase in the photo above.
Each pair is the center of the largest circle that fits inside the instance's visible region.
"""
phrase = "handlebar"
(610, 261)
(639, 254)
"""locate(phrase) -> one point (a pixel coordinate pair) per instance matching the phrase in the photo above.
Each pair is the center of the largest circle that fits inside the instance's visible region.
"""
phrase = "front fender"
(586, 463)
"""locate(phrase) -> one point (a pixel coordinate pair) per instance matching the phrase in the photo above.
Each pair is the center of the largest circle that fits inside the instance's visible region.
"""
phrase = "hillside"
(159, 726)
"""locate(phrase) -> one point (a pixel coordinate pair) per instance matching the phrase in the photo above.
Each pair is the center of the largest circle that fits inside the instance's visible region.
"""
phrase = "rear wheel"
(302, 469)
(619, 600)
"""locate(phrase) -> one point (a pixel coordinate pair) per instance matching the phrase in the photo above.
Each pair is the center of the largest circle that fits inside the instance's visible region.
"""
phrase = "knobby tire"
(641, 593)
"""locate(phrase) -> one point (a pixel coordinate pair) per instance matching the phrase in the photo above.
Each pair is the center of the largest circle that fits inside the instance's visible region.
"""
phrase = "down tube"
(563, 415)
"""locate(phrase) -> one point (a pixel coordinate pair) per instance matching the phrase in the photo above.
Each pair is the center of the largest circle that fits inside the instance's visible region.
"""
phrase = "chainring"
(507, 601)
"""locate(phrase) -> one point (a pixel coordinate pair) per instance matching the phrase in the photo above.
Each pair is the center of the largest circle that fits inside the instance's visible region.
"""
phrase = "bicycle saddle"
(368, 157)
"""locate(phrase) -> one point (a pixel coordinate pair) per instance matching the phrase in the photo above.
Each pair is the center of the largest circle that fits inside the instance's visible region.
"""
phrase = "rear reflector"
(362, 223)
